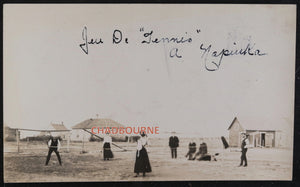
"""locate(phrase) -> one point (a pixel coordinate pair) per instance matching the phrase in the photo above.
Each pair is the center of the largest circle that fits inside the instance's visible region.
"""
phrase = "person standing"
(53, 145)
(173, 144)
(244, 148)
(142, 163)
(107, 153)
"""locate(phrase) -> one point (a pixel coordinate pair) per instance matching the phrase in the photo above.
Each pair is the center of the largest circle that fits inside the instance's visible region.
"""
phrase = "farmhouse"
(79, 131)
(261, 134)
(64, 134)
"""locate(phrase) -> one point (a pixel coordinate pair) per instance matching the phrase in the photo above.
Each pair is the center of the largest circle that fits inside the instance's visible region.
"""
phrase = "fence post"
(127, 142)
(68, 143)
(82, 144)
(18, 140)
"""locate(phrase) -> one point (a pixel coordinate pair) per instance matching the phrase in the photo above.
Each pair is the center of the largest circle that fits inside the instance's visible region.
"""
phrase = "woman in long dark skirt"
(107, 153)
(142, 163)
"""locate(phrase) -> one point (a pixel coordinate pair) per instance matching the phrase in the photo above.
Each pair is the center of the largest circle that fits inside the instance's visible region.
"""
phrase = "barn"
(79, 131)
(260, 134)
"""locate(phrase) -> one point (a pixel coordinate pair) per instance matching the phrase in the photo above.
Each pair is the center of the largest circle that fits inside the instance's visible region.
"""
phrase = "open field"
(28, 165)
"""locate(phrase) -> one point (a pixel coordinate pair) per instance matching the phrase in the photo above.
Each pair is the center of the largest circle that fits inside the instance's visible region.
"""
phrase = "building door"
(257, 140)
(263, 139)
(269, 140)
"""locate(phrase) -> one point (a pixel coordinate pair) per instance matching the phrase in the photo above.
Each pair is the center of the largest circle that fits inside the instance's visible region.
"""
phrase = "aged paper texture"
(131, 92)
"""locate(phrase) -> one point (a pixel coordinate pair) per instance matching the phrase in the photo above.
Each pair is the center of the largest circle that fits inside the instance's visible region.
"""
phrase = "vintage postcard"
(156, 92)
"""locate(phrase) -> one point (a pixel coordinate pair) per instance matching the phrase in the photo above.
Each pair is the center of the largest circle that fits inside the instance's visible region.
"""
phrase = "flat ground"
(28, 165)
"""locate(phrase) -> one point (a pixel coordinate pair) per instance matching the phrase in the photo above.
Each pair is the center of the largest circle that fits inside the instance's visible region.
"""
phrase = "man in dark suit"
(244, 148)
(173, 144)
(53, 145)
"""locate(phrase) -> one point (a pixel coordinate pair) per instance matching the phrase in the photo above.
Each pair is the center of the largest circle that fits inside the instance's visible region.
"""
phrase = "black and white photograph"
(148, 92)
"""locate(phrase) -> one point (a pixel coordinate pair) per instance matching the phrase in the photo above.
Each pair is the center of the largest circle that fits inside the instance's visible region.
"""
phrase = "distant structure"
(9, 134)
(260, 134)
(57, 127)
(79, 131)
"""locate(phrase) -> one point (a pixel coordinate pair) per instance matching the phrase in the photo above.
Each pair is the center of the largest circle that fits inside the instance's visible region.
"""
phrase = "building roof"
(89, 123)
(58, 127)
(254, 124)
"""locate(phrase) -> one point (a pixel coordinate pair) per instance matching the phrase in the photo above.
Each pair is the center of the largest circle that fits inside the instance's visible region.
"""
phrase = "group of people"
(202, 154)
(54, 146)
(142, 163)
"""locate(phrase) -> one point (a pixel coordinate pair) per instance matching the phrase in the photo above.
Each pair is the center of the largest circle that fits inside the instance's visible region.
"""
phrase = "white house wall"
(80, 135)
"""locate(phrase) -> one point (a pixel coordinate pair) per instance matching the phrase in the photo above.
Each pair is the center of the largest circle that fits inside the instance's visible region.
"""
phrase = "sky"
(48, 78)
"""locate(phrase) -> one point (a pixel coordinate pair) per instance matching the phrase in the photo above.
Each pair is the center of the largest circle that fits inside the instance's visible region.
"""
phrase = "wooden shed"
(261, 134)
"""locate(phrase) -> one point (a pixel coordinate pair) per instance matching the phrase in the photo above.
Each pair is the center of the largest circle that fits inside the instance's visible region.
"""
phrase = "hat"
(246, 134)
(143, 133)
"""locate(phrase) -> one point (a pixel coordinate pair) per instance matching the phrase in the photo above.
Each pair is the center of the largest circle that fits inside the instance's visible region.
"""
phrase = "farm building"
(64, 134)
(9, 134)
(260, 134)
(79, 131)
